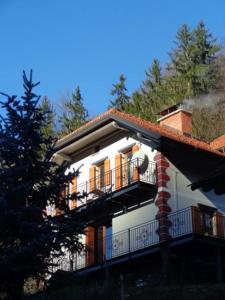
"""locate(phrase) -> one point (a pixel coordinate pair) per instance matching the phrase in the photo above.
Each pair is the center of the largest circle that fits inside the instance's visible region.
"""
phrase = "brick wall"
(179, 120)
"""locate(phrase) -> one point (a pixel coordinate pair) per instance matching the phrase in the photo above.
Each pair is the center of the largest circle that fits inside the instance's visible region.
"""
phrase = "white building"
(133, 188)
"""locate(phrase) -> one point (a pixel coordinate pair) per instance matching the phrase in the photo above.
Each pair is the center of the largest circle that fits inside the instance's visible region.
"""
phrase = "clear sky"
(91, 42)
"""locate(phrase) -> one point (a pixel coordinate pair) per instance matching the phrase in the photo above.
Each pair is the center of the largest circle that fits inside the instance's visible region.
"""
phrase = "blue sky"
(90, 43)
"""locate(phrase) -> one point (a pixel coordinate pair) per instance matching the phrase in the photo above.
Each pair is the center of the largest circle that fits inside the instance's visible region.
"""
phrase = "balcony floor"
(106, 204)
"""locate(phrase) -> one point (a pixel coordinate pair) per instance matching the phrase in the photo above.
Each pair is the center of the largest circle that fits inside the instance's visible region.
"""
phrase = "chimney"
(177, 118)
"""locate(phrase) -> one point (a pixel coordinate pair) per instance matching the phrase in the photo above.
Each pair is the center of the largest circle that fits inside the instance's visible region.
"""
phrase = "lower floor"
(192, 237)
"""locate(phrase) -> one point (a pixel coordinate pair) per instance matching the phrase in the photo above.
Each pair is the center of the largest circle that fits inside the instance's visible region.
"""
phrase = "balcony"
(188, 223)
(120, 188)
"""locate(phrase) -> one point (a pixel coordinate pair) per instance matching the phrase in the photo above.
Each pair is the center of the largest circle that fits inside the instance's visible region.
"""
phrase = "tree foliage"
(75, 114)
(47, 109)
(195, 68)
(119, 91)
(29, 239)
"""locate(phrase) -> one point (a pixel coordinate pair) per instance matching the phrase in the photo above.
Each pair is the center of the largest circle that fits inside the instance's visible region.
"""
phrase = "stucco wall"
(108, 152)
(182, 196)
(134, 217)
(178, 186)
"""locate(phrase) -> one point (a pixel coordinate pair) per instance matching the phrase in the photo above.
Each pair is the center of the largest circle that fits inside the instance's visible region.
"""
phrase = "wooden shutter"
(90, 240)
(100, 244)
(135, 148)
(118, 177)
(196, 220)
(92, 179)
(219, 224)
(62, 198)
(73, 192)
(104, 242)
(107, 174)
(135, 164)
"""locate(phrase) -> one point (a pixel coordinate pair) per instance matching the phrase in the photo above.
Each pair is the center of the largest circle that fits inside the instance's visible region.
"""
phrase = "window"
(126, 167)
(206, 219)
(100, 175)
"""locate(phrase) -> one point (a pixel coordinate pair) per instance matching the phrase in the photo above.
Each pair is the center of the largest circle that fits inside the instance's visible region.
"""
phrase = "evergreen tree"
(47, 109)
(205, 50)
(119, 91)
(75, 113)
(153, 92)
(193, 70)
(135, 106)
(30, 180)
(192, 59)
(153, 77)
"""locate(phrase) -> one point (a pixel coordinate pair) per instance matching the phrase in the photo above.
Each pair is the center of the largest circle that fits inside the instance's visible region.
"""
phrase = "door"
(100, 176)
(126, 167)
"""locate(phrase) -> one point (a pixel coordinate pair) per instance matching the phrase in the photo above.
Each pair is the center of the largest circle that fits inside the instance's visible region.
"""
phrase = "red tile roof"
(163, 131)
(218, 142)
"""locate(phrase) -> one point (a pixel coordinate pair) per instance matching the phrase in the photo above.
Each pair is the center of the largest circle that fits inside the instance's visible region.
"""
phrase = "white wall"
(182, 196)
(135, 217)
(108, 152)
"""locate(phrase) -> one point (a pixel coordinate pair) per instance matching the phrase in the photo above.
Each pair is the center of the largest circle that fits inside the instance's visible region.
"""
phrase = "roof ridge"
(164, 132)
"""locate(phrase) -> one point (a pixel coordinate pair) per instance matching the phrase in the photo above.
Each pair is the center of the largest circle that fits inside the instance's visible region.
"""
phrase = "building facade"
(133, 191)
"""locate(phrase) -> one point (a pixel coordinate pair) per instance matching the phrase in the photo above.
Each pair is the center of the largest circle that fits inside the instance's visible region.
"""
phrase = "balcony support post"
(218, 258)
(165, 263)
(122, 293)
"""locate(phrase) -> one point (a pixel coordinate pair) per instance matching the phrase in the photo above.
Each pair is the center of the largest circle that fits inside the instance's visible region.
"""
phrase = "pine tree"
(153, 91)
(135, 106)
(75, 113)
(192, 59)
(205, 49)
(119, 91)
(47, 108)
(153, 77)
(29, 180)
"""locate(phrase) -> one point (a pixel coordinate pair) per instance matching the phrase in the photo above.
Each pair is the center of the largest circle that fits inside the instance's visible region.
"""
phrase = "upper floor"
(115, 157)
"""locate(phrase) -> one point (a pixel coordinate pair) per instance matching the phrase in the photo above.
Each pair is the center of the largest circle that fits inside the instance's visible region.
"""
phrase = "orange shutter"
(92, 179)
(219, 224)
(90, 236)
(118, 178)
(62, 199)
(73, 192)
(103, 244)
(107, 172)
(196, 220)
(135, 148)
(100, 244)
(135, 164)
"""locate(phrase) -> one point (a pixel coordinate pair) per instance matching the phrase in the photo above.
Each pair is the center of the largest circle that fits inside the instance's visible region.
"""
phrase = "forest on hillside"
(193, 76)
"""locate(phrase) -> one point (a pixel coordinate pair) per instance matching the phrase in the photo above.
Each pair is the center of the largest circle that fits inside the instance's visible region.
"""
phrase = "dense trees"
(193, 57)
(195, 69)
(29, 239)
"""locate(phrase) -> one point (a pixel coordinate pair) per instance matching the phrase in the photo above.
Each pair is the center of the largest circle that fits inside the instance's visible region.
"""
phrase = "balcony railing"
(110, 182)
(182, 223)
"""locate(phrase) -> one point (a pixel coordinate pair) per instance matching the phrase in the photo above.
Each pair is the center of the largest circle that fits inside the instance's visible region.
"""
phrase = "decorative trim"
(124, 149)
(162, 198)
(100, 160)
